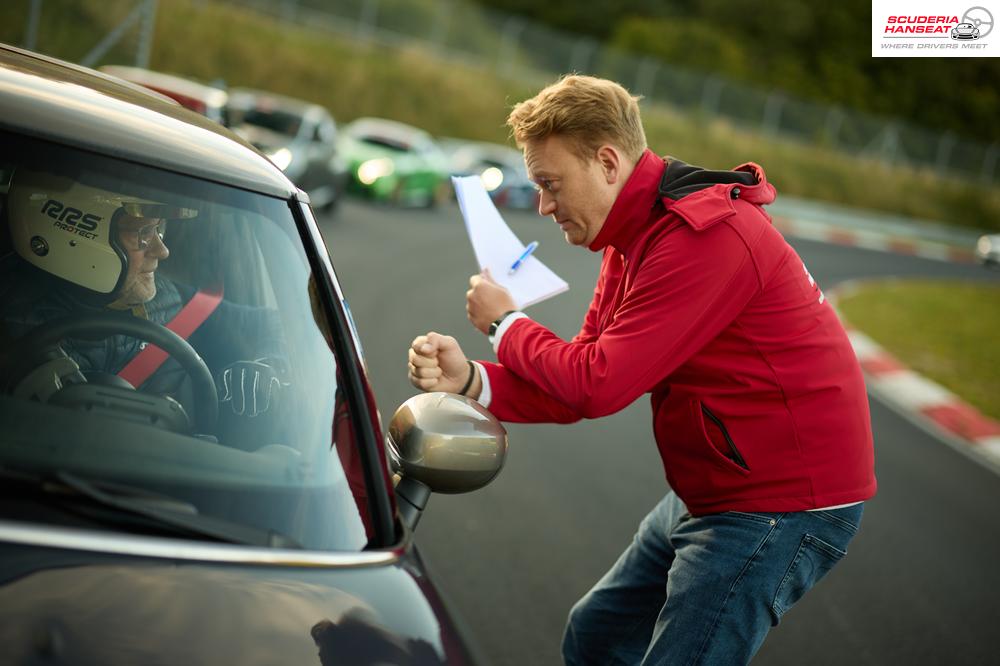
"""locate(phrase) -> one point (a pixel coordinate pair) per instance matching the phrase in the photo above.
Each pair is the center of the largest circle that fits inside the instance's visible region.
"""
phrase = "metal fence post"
(508, 45)
(579, 57)
(645, 77)
(890, 144)
(31, 29)
(945, 144)
(831, 129)
(148, 22)
(114, 36)
(366, 23)
(990, 164)
(772, 112)
(711, 94)
(439, 32)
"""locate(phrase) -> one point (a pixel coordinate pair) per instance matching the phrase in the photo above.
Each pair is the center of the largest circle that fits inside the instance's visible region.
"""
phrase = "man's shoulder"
(671, 231)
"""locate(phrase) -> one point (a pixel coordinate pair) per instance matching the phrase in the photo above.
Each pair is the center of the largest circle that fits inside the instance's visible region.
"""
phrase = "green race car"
(393, 162)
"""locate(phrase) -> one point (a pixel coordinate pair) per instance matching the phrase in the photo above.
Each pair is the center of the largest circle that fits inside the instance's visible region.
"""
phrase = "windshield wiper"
(185, 519)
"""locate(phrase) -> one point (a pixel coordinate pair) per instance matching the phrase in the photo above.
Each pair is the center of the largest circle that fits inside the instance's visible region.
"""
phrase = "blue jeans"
(704, 590)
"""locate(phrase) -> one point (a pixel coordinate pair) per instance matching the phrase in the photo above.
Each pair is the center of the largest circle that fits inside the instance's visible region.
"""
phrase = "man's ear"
(610, 160)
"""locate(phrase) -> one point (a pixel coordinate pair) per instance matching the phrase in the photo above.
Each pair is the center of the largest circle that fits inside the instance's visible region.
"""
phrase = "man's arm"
(437, 363)
(686, 292)
(514, 400)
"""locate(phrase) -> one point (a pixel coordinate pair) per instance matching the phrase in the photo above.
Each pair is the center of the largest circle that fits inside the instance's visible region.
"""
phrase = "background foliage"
(814, 50)
(221, 43)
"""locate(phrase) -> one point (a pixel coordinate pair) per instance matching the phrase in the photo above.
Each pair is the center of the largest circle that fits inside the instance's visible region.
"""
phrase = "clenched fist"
(437, 363)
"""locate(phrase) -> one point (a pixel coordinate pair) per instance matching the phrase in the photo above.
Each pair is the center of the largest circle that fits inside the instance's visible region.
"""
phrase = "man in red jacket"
(759, 406)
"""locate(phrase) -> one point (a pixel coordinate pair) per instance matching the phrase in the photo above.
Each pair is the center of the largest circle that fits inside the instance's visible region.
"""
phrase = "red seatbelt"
(198, 309)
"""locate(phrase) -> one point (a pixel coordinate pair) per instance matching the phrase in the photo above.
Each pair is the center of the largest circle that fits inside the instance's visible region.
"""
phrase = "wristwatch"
(496, 324)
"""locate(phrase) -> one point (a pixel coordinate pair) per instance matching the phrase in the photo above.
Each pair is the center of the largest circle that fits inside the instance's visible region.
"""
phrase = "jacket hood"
(681, 179)
(701, 197)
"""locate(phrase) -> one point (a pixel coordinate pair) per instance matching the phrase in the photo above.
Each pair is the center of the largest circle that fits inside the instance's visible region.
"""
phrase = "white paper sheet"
(497, 247)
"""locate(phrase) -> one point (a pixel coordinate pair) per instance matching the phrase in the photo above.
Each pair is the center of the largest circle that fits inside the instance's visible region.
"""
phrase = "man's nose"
(546, 204)
(157, 248)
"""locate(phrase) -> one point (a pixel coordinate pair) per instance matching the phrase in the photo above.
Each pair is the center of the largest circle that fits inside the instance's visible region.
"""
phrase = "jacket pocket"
(813, 560)
(719, 438)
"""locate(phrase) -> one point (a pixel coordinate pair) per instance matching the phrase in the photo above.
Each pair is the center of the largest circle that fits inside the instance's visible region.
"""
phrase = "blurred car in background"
(501, 169)
(298, 136)
(153, 517)
(393, 162)
(209, 101)
(988, 250)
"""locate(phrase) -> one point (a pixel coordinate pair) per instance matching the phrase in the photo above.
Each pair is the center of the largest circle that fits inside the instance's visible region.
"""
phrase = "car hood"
(67, 608)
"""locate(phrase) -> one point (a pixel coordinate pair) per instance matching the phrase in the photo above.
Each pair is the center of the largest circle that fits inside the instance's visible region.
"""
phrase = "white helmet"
(69, 229)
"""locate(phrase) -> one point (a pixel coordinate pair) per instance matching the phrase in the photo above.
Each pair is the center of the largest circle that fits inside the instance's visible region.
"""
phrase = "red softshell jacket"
(758, 400)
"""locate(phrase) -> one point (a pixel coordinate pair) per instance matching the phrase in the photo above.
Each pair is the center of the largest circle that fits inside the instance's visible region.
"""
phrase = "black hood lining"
(681, 179)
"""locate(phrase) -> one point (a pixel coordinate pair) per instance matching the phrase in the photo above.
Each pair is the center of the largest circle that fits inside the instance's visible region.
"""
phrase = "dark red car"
(192, 468)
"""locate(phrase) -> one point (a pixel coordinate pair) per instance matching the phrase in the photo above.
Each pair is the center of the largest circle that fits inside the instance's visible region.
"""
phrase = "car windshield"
(391, 143)
(240, 432)
(276, 120)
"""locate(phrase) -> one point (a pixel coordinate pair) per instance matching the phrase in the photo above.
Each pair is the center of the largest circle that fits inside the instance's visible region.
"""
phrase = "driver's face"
(141, 239)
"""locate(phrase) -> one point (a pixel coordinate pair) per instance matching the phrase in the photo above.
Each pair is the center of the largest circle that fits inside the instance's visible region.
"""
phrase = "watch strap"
(496, 323)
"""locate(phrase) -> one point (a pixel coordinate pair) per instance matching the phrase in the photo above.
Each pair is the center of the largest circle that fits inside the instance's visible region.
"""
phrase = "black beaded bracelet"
(472, 375)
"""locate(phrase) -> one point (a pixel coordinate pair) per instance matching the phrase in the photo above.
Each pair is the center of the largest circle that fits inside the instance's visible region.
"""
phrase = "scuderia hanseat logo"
(930, 28)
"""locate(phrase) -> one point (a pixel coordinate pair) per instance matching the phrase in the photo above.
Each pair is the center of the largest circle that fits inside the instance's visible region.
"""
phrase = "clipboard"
(497, 247)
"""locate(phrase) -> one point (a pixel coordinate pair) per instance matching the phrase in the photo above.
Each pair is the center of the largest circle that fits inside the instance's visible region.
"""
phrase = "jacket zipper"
(736, 457)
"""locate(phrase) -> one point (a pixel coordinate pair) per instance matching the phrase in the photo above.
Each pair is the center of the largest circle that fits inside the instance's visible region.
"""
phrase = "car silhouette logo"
(965, 31)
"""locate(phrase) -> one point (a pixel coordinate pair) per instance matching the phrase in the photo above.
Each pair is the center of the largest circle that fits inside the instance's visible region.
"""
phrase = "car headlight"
(282, 157)
(984, 245)
(492, 178)
(372, 170)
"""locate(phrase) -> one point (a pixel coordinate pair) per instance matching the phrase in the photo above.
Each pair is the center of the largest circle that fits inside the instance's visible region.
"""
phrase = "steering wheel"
(101, 326)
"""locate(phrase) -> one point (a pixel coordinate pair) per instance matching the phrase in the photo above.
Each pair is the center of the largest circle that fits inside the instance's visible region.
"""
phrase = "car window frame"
(360, 396)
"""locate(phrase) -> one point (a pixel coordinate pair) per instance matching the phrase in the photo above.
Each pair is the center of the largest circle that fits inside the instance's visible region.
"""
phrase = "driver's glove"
(250, 387)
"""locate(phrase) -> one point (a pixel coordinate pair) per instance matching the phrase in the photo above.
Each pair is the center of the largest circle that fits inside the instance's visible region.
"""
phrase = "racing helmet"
(69, 229)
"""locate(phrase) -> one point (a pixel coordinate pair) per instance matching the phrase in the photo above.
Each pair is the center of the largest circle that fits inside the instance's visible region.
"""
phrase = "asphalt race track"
(919, 585)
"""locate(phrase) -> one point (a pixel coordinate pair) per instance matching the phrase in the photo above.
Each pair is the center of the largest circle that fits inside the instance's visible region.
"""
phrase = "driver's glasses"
(139, 238)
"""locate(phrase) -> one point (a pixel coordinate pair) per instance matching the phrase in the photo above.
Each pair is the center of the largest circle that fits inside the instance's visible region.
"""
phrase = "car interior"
(284, 476)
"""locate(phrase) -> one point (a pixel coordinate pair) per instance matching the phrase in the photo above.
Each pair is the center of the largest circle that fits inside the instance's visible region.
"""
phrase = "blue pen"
(520, 260)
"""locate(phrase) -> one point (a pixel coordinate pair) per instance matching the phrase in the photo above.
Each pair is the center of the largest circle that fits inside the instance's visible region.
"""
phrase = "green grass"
(421, 86)
(946, 331)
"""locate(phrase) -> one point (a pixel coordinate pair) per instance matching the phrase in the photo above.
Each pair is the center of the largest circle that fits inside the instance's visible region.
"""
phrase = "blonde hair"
(588, 111)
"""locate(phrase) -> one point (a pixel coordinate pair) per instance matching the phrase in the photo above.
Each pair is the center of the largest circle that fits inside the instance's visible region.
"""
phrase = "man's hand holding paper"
(486, 300)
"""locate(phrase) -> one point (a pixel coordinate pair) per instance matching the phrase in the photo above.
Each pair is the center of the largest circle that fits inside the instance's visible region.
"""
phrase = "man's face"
(577, 194)
(140, 237)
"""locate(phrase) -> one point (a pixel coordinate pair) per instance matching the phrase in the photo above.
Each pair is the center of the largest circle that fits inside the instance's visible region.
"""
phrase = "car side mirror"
(442, 443)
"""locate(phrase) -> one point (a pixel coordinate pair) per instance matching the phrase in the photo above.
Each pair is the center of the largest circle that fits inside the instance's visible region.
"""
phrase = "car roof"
(388, 128)
(68, 104)
(176, 84)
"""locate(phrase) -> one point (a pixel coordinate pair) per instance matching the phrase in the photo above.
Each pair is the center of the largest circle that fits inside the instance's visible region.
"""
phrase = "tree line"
(816, 51)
